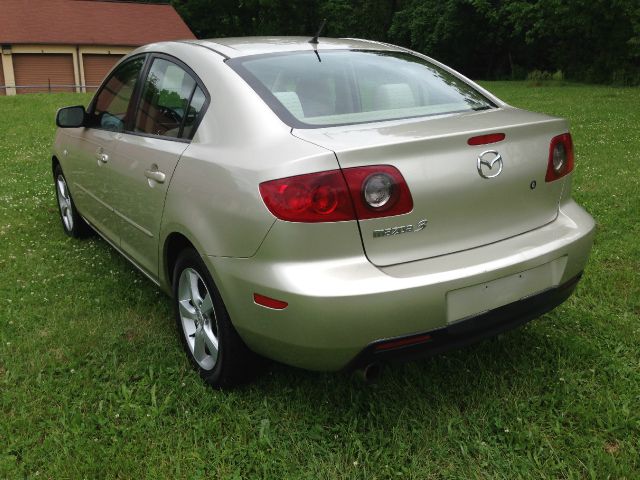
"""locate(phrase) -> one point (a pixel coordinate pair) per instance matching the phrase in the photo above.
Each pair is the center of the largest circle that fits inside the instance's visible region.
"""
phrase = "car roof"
(242, 46)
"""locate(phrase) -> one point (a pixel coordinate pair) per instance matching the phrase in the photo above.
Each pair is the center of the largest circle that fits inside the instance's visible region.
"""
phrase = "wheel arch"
(54, 163)
(174, 242)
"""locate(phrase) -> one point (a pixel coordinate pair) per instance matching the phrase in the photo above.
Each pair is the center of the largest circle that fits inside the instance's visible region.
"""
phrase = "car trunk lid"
(460, 208)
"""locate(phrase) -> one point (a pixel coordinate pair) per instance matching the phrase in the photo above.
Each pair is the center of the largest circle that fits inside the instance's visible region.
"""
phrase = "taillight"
(378, 191)
(374, 191)
(560, 157)
(314, 197)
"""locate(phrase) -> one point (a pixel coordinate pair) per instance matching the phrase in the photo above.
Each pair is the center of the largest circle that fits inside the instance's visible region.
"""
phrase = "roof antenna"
(315, 39)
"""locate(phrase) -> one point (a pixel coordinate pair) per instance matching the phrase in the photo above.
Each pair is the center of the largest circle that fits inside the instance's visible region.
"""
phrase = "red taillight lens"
(560, 157)
(315, 197)
(486, 139)
(375, 191)
(378, 191)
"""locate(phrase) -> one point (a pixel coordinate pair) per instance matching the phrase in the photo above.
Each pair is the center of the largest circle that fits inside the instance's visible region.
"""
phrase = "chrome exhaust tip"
(369, 373)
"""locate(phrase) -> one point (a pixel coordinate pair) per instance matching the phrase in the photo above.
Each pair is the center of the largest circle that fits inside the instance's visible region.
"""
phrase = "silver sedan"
(328, 205)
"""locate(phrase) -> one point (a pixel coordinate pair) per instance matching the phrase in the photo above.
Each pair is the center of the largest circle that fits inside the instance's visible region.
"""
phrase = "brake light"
(561, 159)
(330, 196)
(315, 197)
(486, 139)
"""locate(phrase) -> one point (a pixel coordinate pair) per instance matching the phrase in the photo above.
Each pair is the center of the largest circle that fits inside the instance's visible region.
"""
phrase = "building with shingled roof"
(70, 45)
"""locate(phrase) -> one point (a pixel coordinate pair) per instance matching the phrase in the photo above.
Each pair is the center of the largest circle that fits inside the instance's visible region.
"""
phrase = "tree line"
(593, 41)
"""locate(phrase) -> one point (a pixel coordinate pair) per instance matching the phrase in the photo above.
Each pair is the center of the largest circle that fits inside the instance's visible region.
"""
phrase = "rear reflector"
(402, 342)
(485, 139)
(269, 302)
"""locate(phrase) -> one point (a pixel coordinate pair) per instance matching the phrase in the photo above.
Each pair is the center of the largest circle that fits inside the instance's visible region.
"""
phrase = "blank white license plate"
(470, 301)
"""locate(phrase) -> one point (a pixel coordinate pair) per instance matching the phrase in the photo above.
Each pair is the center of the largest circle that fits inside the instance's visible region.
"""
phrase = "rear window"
(346, 87)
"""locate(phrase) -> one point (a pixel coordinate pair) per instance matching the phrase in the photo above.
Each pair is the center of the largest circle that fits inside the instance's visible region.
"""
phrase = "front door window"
(111, 106)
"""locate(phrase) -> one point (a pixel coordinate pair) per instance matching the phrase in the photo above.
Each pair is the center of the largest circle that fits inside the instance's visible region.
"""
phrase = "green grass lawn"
(93, 382)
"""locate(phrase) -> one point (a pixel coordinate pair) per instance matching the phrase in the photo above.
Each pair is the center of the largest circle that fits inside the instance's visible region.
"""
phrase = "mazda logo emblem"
(489, 164)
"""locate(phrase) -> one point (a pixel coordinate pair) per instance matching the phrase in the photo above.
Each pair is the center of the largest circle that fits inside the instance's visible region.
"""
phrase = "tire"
(72, 223)
(211, 342)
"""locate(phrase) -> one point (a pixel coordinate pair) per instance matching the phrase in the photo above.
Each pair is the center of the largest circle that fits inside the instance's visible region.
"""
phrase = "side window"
(193, 113)
(170, 101)
(111, 107)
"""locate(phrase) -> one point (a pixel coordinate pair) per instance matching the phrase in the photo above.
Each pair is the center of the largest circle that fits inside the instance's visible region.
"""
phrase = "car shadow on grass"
(521, 360)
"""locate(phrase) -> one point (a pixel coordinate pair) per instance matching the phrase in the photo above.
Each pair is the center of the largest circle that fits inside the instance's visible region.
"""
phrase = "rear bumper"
(466, 332)
(342, 306)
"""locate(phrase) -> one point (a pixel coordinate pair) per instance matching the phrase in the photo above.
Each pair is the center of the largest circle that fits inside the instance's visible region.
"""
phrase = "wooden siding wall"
(96, 68)
(43, 72)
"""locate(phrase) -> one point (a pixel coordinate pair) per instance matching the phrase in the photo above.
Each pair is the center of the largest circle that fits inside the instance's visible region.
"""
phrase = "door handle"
(101, 156)
(155, 175)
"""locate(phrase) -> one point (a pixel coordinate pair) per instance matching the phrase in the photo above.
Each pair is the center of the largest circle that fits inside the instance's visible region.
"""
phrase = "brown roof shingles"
(89, 22)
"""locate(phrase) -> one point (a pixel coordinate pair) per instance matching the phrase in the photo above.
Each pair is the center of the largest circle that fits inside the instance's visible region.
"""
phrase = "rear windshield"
(345, 87)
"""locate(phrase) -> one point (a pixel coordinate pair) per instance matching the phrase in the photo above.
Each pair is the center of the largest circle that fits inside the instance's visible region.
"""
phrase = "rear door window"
(171, 102)
(197, 105)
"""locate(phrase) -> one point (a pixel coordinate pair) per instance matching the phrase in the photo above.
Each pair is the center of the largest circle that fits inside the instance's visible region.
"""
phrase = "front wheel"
(211, 342)
(72, 223)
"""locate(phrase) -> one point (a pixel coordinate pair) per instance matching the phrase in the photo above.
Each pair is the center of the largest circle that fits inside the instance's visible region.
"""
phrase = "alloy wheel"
(198, 318)
(64, 202)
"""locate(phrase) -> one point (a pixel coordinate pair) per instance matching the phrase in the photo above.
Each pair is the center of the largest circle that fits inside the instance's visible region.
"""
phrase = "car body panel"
(90, 180)
(139, 200)
(214, 193)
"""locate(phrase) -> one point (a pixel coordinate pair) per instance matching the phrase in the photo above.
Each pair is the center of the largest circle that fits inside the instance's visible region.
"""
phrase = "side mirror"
(71, 117)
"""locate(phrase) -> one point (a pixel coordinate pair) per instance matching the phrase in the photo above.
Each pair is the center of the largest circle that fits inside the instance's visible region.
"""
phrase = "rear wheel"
(211, 342)
(72, 223)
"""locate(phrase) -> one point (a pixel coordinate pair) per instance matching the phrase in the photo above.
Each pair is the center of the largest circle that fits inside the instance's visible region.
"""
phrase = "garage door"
(96, 68)
(2, 89)
(43, 72)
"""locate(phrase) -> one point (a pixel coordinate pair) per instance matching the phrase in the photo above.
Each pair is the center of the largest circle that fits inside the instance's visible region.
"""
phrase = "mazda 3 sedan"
(325, 205)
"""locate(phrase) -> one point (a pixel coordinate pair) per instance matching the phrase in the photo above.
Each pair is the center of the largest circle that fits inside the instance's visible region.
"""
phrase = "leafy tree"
(227, 18)
(589, 40)
(370, 19)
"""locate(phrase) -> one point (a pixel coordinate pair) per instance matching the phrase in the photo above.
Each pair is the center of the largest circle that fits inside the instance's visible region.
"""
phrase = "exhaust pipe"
(369, 373)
